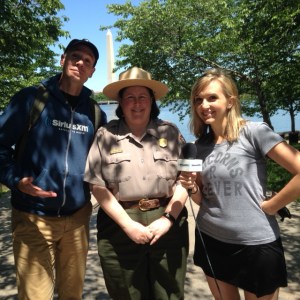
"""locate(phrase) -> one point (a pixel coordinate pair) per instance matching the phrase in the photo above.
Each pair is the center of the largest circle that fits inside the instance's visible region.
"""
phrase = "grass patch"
(3, 189)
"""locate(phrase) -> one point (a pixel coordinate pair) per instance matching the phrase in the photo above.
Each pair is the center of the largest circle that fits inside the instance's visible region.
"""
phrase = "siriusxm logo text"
(74, 127)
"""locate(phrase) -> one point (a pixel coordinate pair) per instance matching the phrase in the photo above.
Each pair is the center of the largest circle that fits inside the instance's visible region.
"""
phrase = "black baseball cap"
(84, 42)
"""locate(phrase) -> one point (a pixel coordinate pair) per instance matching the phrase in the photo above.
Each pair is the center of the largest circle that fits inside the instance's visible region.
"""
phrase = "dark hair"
(154, 108)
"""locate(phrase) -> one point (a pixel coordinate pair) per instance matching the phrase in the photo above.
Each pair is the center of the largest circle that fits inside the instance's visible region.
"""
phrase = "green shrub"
(278, 177)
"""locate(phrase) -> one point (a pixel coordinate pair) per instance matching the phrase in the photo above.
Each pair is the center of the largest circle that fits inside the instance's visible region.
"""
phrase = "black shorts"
(258, 269)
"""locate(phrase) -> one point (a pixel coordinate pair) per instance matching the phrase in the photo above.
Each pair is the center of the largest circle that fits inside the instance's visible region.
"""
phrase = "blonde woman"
(239, 231)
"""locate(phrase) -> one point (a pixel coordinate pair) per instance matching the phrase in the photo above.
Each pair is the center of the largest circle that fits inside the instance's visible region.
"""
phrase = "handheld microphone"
(189, 163)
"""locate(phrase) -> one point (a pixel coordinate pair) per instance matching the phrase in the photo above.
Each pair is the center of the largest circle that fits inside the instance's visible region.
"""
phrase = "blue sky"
(85, 18)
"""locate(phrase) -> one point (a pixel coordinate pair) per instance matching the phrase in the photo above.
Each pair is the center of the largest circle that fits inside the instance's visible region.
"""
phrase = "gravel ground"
(195, 285)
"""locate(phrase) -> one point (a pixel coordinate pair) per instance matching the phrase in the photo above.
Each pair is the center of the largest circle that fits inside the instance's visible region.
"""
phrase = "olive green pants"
(134, 271)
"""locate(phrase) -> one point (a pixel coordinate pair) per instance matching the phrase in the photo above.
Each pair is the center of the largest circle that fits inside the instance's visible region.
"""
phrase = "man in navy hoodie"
(51, 205)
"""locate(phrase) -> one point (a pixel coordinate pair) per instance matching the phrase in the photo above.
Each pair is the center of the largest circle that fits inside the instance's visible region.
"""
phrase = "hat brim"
(112, 90)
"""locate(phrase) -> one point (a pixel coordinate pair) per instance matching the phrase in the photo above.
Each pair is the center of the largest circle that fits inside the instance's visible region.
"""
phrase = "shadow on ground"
(195, 285)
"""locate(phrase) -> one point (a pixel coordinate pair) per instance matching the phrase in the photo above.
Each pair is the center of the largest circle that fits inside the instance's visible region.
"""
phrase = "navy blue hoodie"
(55, 153)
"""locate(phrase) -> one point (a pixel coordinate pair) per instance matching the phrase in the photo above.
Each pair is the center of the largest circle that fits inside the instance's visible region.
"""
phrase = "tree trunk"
(263, 107)
(292, 116)
(293, 135)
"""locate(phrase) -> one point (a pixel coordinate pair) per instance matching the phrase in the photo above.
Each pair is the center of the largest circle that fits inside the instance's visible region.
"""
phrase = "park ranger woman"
(132, 171)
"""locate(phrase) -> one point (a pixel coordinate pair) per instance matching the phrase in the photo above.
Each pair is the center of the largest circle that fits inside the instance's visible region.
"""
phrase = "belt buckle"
(144, 205)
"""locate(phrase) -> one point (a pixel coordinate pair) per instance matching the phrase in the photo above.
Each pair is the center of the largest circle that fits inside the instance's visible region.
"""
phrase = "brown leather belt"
(146, 204)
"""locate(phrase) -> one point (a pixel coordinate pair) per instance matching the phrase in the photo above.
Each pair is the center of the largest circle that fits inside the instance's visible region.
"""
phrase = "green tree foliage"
(99, 97)
(27, 29)
(269, 35)
(177, 40)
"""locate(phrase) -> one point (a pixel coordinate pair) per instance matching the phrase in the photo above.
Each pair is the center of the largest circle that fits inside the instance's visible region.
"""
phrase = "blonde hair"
(234, 119)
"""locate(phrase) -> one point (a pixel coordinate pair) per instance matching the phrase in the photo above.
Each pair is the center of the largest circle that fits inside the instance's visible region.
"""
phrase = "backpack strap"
(38, 106)
(35, 112)
(96, 113)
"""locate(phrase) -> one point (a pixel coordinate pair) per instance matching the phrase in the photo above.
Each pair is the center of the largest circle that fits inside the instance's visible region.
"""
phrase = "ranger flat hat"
(135, 77)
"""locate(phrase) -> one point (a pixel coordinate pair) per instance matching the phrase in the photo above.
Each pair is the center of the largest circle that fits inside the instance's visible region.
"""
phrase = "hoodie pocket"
(49, 181)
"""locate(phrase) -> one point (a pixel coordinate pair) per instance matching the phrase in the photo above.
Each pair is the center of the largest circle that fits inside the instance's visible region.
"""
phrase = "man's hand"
(25, 185)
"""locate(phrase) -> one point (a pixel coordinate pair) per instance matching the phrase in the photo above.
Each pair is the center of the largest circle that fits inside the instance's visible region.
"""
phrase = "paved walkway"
(195, 286)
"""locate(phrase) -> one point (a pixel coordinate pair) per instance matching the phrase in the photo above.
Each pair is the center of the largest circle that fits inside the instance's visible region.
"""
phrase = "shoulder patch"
(166, 123)
(112, 126)
(181, 139)
(174, 129)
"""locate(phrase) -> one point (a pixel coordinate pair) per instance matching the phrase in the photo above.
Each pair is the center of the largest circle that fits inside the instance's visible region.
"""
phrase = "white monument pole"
(110, 57)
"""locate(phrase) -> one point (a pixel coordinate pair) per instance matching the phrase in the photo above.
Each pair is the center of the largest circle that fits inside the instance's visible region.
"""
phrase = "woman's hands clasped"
(141, 234)
(158, 228)
(137, 232)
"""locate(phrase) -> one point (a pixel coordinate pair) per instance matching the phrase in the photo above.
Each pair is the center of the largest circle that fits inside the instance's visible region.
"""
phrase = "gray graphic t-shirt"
(234, 184)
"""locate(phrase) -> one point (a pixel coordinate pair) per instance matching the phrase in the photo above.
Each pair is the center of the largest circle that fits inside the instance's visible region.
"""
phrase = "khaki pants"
(50, 252)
